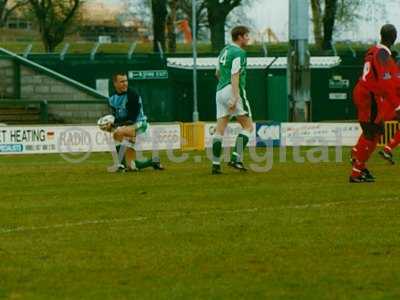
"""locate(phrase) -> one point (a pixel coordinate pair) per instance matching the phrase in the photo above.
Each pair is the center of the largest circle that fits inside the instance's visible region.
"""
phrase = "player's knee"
(249, 127)
(378, 129)
(372, 130)
(117, 136)
(221, 125)
(129, 144)
(368, 130)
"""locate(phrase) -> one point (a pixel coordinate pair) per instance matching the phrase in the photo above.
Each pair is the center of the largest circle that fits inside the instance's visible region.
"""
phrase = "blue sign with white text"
(268, 134)
(11, 148)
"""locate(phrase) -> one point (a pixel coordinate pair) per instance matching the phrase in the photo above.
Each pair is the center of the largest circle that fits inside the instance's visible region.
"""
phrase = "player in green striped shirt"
(231, 99)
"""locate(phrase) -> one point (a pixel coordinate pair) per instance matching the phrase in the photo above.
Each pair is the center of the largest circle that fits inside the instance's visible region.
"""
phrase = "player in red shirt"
(377, 84)
(392, 113)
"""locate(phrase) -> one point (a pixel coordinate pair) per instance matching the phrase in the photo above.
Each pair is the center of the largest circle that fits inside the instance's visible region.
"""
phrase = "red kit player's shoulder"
(383, 56)
(379, 49)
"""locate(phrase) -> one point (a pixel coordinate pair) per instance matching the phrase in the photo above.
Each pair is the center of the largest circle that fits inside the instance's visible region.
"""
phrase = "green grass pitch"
(300, 231)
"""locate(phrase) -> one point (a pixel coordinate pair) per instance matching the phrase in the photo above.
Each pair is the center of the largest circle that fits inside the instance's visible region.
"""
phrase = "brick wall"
(6, 79)
(77, 113)
(36, 84)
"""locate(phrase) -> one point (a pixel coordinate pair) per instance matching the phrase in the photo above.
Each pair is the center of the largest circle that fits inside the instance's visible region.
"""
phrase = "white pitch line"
(70, 224)
(178, 214)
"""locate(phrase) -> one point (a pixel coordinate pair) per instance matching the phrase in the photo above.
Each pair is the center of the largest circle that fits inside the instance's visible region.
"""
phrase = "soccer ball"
(105, 123)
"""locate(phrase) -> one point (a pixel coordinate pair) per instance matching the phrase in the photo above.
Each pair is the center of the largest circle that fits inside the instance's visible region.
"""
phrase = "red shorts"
(369, 107)
(388, 111)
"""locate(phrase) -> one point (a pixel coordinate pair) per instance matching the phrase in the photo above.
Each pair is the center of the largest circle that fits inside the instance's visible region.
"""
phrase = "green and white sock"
(217, 149)
(143, 164)
(121, 155)
(241, 142)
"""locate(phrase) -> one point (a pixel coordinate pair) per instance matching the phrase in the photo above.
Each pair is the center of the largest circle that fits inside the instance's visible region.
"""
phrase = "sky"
(274, 14)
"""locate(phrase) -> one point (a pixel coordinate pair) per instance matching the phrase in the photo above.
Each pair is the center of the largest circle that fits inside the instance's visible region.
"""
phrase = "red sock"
(354, 150)
(362, 151)
(374, 145)
(393, 143)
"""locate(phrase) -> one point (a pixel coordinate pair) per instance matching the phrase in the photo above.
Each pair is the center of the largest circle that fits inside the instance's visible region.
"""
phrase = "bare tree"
(239, 16)
(7, 7)
(54, 19)
(159, 13)
(329, 16)
(137, 9)
(316, 8)
(185, 10)
(218, 11)
(166, 13)
(324, 16)
(171, 25)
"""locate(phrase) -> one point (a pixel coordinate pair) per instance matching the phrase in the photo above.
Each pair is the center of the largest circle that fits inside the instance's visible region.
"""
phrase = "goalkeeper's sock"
(241, 142)
(143, 164)
(217, 149)
(121, 155)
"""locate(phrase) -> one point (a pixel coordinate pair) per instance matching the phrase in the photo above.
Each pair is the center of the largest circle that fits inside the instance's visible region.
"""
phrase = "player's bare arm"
(217, 74)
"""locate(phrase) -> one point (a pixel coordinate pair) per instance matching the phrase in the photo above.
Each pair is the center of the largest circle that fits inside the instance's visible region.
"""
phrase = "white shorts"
(222, 100)
(142, 135)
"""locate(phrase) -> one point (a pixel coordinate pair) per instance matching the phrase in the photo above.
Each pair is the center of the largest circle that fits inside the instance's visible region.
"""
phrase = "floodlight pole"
(298, 69)
(194, 46)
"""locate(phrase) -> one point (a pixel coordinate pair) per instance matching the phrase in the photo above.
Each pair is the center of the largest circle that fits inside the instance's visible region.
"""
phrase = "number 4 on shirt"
(222, 59)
